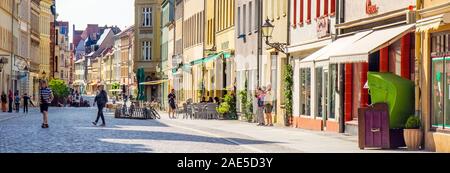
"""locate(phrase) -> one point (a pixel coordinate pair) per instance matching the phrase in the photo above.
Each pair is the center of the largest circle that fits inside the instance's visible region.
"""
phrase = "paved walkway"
(71, 131)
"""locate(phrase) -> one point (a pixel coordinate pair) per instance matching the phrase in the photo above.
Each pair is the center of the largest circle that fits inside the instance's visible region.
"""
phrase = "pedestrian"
(10, 101)
(217, 100)
(260, 99)
(4, 101)
(17, 102)
(46, 97)
(26, 99)
(172, 104)
(101, 99)
(268, 99)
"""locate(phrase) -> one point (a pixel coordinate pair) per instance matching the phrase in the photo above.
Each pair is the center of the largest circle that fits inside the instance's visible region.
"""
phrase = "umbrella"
(141, 78)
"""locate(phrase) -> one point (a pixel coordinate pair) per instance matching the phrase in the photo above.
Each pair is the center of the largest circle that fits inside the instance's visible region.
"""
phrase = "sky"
(102, 12)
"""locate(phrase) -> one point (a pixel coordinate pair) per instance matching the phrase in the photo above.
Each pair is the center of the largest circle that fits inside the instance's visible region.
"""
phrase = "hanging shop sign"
(371, 8)
(323, 27)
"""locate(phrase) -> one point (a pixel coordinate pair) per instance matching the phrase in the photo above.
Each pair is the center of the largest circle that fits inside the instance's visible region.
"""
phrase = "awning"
(434, 22)
(157, 82)
(359, 51)
(207, 59)
(323, 55)
(308, 46)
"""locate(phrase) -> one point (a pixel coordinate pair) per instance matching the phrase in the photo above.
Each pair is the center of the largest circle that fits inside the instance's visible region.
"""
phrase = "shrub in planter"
(413, 133)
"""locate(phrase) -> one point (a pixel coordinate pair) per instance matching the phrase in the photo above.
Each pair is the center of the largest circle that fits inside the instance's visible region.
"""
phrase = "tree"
(246, 102)
(60, 91)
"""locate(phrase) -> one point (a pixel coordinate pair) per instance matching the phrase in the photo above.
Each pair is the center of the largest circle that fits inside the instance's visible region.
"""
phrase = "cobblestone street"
(71, 131)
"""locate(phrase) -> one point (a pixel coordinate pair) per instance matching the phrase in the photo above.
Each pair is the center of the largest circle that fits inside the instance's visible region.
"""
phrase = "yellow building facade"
(273, 63)
(147, 39)
(46, 18)
(224, 75)
(433, 84)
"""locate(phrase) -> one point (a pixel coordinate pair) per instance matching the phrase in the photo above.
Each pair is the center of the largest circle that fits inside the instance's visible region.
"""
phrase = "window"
(294, 14)
(440, 74)
(147, 17)
(250, 11)
(257, 11)
(308, 20)
(239, 22)
(318, 8)
(320, 92)
(325, 8)
(333, 86)
(244, 24)
(302, 12)
(146, 51)
(305, 92)
(333, 7)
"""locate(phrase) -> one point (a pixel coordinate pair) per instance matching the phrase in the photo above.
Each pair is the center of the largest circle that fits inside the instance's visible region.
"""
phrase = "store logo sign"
(371, 8)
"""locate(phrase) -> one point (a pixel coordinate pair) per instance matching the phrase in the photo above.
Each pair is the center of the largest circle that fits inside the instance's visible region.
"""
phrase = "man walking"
(4, 101)
(101, 99)
(46, 97)
(26, 100)
(10, 101)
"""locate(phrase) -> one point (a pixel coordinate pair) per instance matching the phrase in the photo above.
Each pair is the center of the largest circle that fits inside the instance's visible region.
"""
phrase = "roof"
(103, 36)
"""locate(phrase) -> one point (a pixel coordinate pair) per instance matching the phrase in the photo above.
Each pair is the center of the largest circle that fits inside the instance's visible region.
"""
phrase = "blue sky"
(102, 12)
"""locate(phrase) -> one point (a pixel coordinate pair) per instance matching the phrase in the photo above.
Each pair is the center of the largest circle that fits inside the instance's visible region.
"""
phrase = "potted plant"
(413, 133)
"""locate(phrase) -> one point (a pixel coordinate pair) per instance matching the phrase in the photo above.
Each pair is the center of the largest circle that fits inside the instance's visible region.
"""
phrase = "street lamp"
(267, 31)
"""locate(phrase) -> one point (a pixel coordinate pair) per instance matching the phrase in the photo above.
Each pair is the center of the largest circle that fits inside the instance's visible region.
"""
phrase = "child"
(17, 102)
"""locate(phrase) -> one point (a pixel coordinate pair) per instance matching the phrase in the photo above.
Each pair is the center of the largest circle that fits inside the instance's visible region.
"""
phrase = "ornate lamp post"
(267, 31)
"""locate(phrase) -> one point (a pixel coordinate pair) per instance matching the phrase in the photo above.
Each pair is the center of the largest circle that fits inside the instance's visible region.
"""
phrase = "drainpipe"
(418, 54)
(258, 56)
(341, 67)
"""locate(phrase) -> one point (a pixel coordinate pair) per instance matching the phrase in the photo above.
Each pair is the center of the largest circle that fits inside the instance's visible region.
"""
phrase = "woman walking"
(268, 99)
(46, 97)
(4, 101)
(172, 104)
(260, 98)
(101, 99)
(26, 100)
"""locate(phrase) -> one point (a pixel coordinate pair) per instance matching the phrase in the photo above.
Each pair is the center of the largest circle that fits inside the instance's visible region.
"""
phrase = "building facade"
(147, 43)
(167, 48)
(273, 62)
(225, 73)
(432, 92)
(248, 46)
(193, 25)
(311, 27)
(46, 18)
(35, 42)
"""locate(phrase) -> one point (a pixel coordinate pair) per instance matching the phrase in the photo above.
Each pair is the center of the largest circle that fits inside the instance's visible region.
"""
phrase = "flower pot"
(413, 138)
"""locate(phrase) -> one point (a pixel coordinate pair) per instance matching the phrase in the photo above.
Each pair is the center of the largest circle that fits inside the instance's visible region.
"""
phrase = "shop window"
(305, 92)
(319, 91)
(440, 75)
(332, 88)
